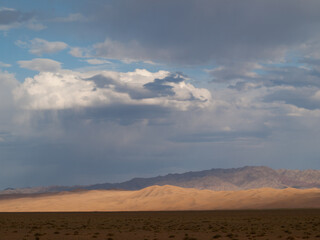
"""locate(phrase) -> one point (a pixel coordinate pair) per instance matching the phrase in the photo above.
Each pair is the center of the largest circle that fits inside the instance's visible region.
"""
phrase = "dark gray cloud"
(294, 76)
(223, 136)
(85, 146)
(235, 71)
(194, 32)
(160, 86)
(157, 88)
(304, 74)
(11, 16)
(102, 81)
(244, 85)
(120, 113)
(300, 97)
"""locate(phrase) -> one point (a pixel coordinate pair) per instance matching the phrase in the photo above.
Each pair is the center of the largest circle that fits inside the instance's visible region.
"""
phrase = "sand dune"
(163, 198)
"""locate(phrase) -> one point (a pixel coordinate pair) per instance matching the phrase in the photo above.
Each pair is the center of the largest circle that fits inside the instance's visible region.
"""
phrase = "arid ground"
(183, 225)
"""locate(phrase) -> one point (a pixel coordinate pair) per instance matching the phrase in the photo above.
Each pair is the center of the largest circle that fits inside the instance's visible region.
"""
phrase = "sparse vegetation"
(235, 225)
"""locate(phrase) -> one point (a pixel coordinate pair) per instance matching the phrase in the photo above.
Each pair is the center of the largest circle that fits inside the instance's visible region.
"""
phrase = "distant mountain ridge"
(249, 177)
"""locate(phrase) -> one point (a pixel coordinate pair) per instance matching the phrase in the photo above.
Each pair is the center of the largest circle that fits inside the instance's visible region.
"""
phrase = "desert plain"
(180, 225)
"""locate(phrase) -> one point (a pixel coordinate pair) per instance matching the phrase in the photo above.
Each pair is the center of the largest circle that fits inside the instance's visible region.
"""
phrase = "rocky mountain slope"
(226, 179)
(214, 179)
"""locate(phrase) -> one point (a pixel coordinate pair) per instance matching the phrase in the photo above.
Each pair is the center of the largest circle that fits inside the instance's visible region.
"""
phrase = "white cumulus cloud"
(69, 89)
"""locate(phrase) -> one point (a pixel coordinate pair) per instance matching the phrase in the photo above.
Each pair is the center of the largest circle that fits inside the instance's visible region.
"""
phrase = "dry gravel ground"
(183, 225)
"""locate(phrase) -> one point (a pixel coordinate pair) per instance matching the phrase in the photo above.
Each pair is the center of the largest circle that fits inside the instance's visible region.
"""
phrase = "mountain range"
(249, 177)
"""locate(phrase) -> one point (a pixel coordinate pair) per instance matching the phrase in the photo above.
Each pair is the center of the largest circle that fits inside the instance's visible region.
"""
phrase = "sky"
(107, 90)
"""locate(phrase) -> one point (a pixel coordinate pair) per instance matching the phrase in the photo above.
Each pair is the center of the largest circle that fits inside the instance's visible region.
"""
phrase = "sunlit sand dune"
(156, 198)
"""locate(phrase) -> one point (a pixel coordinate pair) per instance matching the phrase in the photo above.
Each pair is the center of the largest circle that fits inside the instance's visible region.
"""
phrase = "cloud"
(72, 17)
(51, 108)
(109, 49)
(8, 84)
(297, 75)
(6, 65)
(39, 46)
(208, 32)
(175, 85)
(235, 71)
(222, 136)
(261, 107)
(302, 97)
(35, 25)
(41, 65)
(116, 119)
(81, 52)
(127, 52)
(95, 61)
(69, 89)
(12, 18)
(302, 73)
